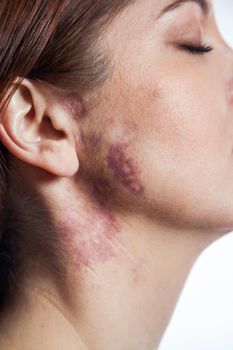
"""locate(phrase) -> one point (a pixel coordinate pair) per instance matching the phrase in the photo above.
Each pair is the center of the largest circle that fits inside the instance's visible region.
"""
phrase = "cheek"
(72, 103)
(182, 121)
(181, 142)
(160, 135)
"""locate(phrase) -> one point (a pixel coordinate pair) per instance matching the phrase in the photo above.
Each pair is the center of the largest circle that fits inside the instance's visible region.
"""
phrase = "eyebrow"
(204, 5)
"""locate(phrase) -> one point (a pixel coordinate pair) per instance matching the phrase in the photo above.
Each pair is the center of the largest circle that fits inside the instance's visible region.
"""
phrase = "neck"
(123, 279)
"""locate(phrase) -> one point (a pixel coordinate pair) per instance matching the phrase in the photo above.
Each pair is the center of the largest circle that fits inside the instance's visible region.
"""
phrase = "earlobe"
(36, 131)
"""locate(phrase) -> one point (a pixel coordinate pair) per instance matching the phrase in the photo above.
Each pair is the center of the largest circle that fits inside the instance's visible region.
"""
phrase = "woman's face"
(161, 139)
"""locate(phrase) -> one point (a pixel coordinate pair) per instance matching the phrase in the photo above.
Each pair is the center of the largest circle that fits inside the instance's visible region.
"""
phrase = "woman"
(117, 167)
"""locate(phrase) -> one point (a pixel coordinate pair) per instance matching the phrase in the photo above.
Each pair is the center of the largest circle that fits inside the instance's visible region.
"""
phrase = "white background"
(203, 318)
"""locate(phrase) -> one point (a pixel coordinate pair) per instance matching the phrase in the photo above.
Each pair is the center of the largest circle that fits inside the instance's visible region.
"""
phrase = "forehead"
(132, 17)
(140, 15)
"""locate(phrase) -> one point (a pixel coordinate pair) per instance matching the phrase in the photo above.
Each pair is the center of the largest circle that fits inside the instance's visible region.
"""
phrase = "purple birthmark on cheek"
(72, 103)
(91, 141)
(124, 169)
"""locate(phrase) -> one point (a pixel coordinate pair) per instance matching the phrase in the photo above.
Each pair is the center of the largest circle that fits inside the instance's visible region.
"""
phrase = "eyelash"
(197, 50)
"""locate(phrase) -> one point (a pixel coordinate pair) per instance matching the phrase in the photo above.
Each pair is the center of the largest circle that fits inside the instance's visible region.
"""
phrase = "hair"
(56, 42)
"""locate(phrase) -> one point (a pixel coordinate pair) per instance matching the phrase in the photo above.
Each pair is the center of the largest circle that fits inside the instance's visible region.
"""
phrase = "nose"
(226, 59)
(225, 49)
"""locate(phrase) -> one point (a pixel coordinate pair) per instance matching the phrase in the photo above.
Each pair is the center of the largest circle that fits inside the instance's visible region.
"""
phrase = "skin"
(137, 187)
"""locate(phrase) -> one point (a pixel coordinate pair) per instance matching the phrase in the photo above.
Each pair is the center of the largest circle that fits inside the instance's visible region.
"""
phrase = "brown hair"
(56, 42)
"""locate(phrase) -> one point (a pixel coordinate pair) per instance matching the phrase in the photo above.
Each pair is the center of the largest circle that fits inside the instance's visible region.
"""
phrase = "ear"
(38, 131)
